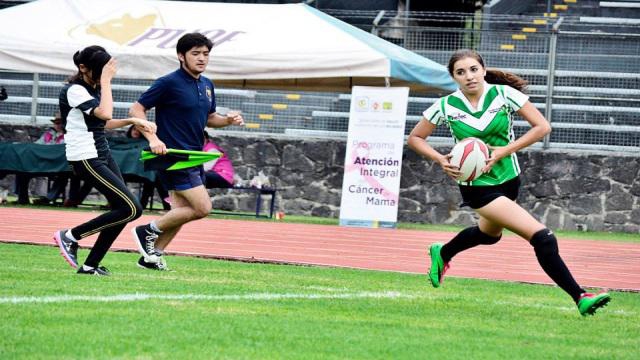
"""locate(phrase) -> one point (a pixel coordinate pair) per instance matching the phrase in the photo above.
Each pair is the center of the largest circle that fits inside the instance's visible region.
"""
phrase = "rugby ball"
(470, 156)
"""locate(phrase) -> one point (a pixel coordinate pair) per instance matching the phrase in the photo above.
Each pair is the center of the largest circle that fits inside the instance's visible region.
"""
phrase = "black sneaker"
(99, 271)
(68, 247)
(42, 200)
(161, 265)
(145, 239)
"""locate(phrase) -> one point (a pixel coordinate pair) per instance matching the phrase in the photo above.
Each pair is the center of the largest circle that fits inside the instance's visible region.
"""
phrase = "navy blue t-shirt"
(183, 105)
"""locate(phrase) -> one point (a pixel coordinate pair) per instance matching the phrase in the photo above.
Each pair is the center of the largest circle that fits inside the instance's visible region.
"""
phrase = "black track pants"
(104, 175)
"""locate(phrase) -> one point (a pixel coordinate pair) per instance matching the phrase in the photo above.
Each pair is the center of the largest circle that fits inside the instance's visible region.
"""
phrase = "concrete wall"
(587, 191)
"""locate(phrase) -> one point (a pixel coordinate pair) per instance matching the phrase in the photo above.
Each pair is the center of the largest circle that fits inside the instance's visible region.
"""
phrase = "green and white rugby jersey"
(492, 122)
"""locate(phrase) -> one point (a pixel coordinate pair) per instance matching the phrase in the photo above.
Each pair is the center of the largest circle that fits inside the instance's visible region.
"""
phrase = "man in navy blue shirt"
(185, 105)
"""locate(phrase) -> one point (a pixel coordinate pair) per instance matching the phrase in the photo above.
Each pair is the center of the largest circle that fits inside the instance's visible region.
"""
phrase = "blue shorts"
(183, 179)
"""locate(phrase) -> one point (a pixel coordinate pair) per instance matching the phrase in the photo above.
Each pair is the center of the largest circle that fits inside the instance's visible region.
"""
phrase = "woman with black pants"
(484, 107)
(86, 106)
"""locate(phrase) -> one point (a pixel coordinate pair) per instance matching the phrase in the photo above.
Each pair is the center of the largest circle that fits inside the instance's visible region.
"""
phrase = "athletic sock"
(545, 246)
(466, 239)
(70, 236)
(154, 227)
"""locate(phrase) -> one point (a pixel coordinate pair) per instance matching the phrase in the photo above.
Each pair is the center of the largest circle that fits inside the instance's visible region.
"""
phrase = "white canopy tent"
(256, 45)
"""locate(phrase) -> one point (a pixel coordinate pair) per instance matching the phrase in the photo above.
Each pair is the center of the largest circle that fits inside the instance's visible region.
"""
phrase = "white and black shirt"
(84, 133)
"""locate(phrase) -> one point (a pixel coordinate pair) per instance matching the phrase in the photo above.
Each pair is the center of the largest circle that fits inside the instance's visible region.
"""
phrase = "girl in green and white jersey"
(484, 107)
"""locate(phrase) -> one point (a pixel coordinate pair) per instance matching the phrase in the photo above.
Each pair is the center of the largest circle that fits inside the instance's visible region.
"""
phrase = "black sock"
(76, 237)
(466, 239)
(545, 245)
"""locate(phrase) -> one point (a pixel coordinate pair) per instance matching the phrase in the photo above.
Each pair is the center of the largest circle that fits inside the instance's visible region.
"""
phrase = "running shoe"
(42, 200)
(589, 302)
(438, 266)
(68, 247)
(98, 271)
(145, 239)
(161, 265)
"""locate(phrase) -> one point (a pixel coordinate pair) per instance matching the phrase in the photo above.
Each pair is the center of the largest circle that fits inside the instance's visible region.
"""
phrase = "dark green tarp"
(43, 159)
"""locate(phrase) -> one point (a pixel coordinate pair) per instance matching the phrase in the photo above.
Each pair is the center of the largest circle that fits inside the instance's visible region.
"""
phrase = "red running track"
(597, 264)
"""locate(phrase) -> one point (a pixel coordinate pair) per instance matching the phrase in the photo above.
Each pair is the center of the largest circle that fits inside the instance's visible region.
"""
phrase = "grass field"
(218, 309)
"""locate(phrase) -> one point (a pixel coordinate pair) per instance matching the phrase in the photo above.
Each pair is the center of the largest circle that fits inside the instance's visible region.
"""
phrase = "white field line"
(232, 297)
(275, 297)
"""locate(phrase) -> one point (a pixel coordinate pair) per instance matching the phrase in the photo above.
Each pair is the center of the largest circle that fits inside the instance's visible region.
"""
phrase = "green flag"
(176, 159)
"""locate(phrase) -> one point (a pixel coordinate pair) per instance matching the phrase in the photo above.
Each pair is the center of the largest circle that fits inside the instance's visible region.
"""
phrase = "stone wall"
(565, 190)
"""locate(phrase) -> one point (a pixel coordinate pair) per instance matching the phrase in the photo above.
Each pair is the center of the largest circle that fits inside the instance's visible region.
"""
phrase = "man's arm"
(137, 110)
(216, 120)
(142, 124)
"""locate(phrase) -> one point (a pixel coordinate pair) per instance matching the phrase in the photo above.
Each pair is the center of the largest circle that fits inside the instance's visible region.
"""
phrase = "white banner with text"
(373, 159)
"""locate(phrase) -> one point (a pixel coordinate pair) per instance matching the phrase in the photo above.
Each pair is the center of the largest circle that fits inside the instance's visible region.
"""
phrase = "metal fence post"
(406, 24)
(551, 70)
(376, 21)
(35, 90)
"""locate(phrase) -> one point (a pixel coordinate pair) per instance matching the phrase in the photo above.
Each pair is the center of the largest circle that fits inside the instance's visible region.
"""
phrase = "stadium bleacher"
(605, 117)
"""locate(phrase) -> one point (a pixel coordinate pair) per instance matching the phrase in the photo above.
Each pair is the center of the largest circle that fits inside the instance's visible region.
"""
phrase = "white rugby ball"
(470, 156)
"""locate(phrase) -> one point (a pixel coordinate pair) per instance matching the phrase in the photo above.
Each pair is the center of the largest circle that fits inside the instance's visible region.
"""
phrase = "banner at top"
(258, 42)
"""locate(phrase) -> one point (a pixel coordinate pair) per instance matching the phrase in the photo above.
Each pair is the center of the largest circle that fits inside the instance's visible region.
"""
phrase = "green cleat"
(589, 302)
(438, 266)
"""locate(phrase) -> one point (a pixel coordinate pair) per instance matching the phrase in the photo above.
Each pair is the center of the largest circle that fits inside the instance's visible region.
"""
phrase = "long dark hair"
(94, 57)
(494, 76)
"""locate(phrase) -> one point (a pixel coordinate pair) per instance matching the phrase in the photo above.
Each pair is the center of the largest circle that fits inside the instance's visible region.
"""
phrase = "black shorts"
(183, 179)
(479, 196)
